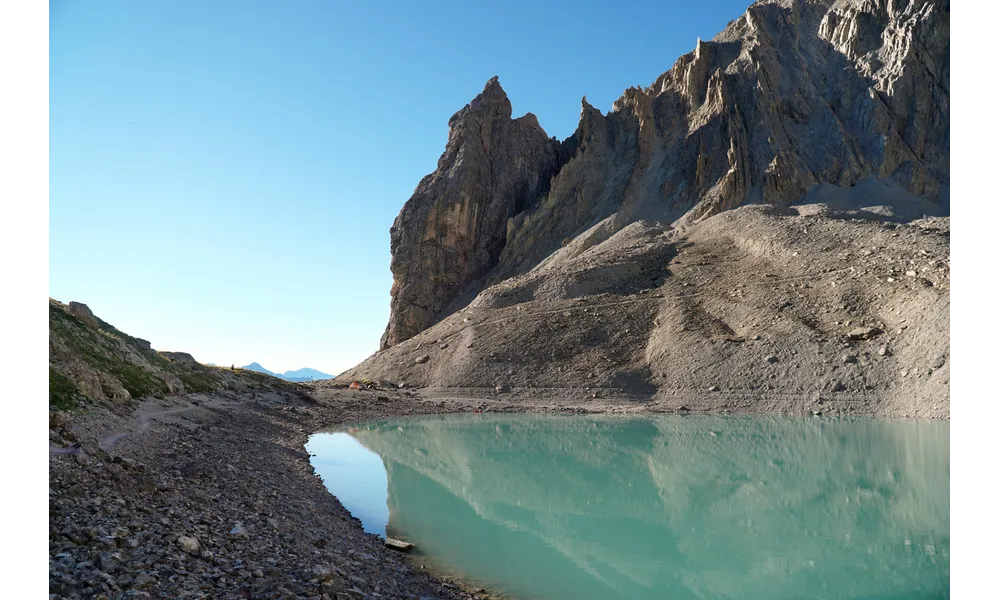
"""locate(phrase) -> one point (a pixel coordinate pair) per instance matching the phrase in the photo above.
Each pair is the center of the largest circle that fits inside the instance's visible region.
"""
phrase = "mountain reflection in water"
(673, 506)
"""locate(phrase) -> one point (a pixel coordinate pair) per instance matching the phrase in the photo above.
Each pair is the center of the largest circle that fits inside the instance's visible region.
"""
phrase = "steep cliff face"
(451, 231)
(791, 95)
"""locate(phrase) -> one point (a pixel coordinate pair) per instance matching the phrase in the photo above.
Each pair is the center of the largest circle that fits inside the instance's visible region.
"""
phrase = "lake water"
(676, 506)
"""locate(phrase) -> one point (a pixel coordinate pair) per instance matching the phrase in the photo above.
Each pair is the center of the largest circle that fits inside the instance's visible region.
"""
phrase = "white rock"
(398, 544)
(189, 545)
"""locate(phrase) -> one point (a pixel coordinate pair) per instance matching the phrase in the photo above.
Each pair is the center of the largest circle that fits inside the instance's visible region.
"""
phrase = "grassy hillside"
(91, 361)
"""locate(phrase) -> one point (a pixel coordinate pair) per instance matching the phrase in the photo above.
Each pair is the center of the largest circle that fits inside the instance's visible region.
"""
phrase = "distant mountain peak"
(303, 374)
(256, 366)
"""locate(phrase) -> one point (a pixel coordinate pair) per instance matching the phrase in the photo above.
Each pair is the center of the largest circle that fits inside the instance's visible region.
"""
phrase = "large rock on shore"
(179, 357)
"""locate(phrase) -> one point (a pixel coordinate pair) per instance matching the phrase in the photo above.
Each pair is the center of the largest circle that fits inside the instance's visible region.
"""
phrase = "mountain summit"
(791, 97)
(256, 366)
(764, 224)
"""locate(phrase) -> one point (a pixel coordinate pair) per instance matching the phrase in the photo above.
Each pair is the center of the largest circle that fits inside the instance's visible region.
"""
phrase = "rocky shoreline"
(218, 501)
(213, 496)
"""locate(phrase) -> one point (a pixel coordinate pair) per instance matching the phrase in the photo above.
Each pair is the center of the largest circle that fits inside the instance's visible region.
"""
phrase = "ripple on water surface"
(700, 506)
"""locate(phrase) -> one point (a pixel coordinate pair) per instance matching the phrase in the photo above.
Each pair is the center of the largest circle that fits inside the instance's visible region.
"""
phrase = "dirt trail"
(144, 422)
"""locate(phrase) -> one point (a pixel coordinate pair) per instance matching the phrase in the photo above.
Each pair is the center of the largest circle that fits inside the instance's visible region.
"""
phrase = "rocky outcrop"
(82, 311)
(179, 357)
(92, 361)
(792, 97)
(452, 230)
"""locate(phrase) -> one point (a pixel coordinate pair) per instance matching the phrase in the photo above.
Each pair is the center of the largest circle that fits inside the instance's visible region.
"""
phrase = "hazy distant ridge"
(304, 374)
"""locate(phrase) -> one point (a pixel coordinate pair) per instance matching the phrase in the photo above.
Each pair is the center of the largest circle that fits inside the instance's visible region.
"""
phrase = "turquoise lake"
(679, 507)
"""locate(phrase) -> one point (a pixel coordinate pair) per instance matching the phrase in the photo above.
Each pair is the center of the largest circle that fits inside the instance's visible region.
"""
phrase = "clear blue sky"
(223, 174)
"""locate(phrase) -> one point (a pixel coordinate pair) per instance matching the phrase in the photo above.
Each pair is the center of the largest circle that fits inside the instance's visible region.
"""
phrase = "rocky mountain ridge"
(788, 100)
(763, 228)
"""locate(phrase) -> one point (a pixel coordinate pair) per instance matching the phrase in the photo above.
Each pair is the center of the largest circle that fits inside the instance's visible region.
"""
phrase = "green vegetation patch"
(136, 380)
(62, 392)
(262, 379)
(136, 366)
(198, 379)
(101, 350)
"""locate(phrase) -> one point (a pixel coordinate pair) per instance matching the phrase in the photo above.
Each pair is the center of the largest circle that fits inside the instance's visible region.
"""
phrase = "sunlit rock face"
(451, 232)
(790, 95)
